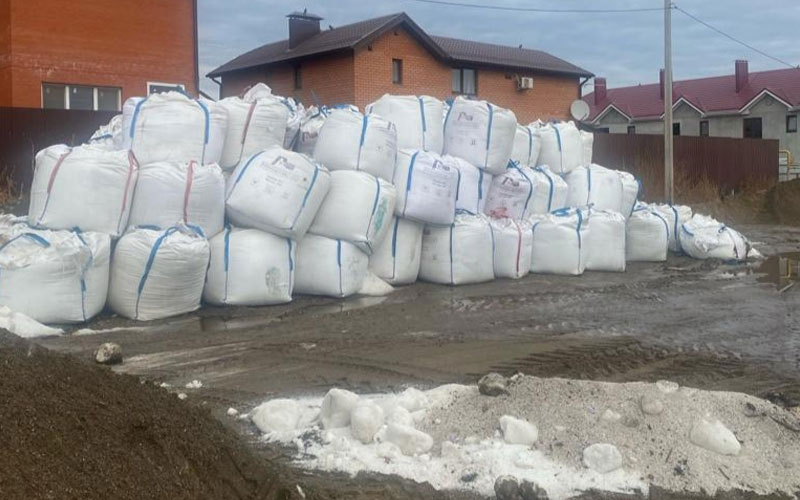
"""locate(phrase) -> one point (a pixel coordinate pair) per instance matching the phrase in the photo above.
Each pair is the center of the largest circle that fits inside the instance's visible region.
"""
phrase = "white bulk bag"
(358, 209)
(594, 186)
(473, 185)
(549, 191)
(605, 242)
(562, 148)
(396, 259)
(427, 187)
(249, 267)
(349, 140)
(418, 120)
(510, 193)
(309, 130)
(108, 136)
(526, 146)
(481, 133)
(171, 126)
(86, 187)
(253, 125)
(277, 191)
(54, 276)
(558, 239)
(647, 236)
(460, 253)
(703, 237)
(158, 273)
(630, 192)
(676, 215)
(329, 267)
(512, 248)
(169, 192)
(587, 142)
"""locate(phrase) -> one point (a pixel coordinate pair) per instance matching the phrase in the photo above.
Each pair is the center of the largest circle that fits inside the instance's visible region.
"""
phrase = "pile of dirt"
(784, 202)
(71, 430)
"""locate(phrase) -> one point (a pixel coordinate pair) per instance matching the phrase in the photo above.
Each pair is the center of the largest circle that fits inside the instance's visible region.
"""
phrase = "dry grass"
(9, 194)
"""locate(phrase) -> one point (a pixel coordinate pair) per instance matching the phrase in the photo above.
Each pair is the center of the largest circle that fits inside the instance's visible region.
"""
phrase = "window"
(791, 124)
(158, 87)
(298, 78)
(603, 130)
(631, 129)
(676, 129)
(85, 97)
(397, 71)
(465, 81)
(751, 127)
(704, 128)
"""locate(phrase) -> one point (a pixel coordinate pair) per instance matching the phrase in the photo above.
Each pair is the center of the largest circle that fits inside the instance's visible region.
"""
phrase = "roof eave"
(483, 64)
(282, 60)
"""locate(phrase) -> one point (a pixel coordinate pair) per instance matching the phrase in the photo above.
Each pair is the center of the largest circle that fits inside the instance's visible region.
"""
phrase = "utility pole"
(668, 178)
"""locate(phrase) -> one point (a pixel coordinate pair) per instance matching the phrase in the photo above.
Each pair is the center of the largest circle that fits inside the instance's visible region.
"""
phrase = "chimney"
(302, 26)
(599, 90)
(741, 74)
(661, 83)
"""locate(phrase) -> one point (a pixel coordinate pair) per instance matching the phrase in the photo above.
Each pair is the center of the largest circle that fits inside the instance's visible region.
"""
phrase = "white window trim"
(164, 84)
(95, 94)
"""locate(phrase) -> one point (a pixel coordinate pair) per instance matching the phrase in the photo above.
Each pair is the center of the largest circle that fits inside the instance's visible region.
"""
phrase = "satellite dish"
(579, 110)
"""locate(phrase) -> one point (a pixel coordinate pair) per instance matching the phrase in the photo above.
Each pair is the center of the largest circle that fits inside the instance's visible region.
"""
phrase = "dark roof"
(354, 35)
(716, 94)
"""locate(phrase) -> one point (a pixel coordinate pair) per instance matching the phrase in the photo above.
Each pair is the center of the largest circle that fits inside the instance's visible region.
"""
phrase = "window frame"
(297, 77)
(788, 119)
(180, 86)
(398, 65)
(95, 100)
(678, 129)
(460, 90)
(760, 127)
(631, 129)
(707, 126)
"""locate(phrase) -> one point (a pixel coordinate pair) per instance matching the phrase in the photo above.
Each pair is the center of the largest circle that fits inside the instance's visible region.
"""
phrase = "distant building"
(762, 104)
(360, 62)
(93, 54)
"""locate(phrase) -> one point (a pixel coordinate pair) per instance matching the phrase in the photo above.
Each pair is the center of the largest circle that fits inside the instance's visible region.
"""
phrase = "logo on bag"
(282, 161)
(437, 164)
(508, 181)
(307, 136)
(465, 117)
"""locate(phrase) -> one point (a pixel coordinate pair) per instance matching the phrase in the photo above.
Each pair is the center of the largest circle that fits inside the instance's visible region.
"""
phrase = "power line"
(536, 9)
(731, 37)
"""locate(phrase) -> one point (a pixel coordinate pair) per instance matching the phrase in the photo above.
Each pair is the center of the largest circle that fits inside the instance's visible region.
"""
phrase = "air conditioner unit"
(525, 82)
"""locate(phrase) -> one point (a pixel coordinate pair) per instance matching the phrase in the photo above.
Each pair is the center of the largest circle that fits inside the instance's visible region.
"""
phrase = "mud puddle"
(782, 270)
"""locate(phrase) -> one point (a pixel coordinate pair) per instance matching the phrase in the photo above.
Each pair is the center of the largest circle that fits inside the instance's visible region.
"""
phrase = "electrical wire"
(732, 38)
(537, 9)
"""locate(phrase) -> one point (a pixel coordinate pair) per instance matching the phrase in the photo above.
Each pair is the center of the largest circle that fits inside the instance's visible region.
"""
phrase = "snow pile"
(25, 326)
(562, 436)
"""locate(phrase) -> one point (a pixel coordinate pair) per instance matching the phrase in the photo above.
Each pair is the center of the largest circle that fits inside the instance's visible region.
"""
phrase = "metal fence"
(25, 131)
(728, 163)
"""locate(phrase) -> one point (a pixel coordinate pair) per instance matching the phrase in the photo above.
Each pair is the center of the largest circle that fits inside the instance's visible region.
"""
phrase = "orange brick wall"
(96, 42)
(363, 77)
(5, 53)
(330, 78)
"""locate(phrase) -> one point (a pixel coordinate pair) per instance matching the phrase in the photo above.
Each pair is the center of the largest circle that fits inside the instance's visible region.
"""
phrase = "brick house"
(360, 62)
(94, 54)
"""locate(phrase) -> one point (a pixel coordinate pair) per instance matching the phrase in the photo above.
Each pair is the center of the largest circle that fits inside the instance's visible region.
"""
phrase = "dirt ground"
(703, 324)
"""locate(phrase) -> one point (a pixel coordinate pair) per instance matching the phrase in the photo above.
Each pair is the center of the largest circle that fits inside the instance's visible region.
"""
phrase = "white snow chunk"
(194, 384)
(25, 326)
(611, 416)
(232, 412)
(336, 408)
(277, 415)
(602, 457)
(714, 436)
(366, 419)
(413, 400)
(400, 416)
(667, 386)
(651, 405)
(182, 396)
(516, 431)
(408, 439)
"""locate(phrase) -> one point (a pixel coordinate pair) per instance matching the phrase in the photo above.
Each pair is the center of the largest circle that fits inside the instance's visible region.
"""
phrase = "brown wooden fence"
(24, 131)
(729, 164)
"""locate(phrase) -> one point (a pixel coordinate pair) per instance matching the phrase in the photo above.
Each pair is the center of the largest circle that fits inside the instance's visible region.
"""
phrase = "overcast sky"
(626, 48)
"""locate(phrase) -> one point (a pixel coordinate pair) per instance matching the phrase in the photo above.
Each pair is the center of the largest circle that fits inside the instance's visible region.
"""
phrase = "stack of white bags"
(254, 199)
